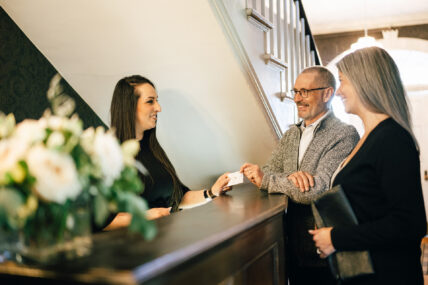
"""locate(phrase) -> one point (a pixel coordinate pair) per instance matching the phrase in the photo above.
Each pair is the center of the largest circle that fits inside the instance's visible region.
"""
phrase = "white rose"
(55, 173)
(30, 131)
(107, 155)
(11, 152)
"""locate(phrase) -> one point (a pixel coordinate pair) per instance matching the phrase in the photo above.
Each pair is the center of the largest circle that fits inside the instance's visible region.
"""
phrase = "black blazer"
(383, 184)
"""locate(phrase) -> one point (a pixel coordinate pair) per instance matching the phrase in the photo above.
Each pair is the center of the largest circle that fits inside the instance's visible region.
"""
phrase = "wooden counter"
(238, 237)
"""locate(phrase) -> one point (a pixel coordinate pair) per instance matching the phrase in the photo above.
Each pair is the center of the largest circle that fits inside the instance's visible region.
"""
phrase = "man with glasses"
(301, 167)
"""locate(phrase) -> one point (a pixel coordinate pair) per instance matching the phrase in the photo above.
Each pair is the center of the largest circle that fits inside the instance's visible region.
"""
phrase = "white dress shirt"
(308, 135)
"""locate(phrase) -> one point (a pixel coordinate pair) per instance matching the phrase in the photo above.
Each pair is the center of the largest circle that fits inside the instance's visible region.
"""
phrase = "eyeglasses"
(304, 92)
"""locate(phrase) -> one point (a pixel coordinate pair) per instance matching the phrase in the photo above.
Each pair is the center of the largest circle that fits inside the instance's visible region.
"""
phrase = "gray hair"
(375, 76)
(324, 76)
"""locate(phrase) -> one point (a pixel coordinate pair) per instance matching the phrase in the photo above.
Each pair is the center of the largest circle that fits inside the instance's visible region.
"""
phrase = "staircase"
(288, 48)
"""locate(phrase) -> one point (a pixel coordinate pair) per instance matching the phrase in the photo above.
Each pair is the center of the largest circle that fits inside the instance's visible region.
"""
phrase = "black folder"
(332, 209)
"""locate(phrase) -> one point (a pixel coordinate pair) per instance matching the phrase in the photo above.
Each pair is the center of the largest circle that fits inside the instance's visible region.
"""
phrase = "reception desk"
(237, 238)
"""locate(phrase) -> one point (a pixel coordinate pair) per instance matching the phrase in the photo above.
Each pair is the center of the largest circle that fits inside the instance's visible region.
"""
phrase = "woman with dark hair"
(381, 177)
(134, 110)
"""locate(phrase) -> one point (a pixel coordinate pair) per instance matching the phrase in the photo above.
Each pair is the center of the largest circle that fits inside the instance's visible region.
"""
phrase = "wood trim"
(258, 20)
(284, 95)
(275, 62)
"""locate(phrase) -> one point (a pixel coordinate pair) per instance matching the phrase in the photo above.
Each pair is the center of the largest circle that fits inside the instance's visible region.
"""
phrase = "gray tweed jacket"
(333, 140)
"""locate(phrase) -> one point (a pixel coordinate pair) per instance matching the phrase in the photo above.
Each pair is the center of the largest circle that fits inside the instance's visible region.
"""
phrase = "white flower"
(7, 123)
(56, 139)
(55, 123)
(107, 154)
(130, 149)
(62, 105)
(11, 152)
(54, 87)
(87, 140)
(55, 173)
(74, 125)
(30, 131)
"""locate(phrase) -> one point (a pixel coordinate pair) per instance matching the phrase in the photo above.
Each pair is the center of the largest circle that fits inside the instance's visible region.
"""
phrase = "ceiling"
(333, 16)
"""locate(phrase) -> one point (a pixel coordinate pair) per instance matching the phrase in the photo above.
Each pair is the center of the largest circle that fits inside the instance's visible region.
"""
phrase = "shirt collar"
(314, 124)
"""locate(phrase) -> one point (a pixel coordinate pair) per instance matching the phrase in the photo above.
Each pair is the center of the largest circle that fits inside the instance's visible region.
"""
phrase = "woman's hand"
(322, 239)
(253, 173)
(124, 219)
(156, 213)
(121, 220)
(220, 185)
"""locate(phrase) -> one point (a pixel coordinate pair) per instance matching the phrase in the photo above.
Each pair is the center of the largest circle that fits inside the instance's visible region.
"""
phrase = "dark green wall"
(25, 75)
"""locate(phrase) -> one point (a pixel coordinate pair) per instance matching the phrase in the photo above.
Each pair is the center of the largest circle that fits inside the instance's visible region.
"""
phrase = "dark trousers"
(311, 276)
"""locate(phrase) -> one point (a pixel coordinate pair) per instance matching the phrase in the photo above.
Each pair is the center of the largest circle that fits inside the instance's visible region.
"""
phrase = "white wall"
(212, 119)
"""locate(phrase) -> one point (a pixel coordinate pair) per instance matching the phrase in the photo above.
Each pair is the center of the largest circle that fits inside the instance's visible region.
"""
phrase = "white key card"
(235, 178)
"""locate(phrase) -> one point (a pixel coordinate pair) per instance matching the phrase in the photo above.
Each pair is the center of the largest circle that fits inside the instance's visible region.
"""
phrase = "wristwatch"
(207, 198)
(211, 194)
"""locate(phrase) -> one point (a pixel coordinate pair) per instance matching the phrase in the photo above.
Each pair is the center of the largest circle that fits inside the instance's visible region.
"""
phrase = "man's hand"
(253, 173)
(302, 180)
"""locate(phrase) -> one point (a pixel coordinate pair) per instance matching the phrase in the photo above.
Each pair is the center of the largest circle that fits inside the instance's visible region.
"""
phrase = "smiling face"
(349, 95)
(314, 106)
(147, 108)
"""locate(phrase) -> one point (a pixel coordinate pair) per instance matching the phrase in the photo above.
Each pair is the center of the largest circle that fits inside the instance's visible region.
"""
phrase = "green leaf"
(101, 210)
(142, 225)
(129, 181)
(10, 202)
(137, 206)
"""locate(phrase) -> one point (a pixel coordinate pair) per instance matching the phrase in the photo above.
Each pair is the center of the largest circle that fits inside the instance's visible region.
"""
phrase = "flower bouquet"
(58, 182)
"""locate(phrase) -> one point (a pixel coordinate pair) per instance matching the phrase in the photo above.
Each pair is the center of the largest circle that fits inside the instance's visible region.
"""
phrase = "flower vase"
(55, 233)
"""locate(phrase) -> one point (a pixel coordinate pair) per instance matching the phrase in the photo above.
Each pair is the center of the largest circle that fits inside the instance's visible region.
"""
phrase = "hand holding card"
(236, 178)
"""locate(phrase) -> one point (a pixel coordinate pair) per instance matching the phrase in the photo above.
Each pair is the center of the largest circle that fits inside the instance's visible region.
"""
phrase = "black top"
(383, 184)
(159, 185)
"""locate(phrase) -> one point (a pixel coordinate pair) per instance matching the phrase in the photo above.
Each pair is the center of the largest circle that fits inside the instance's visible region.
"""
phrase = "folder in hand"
(332, 209)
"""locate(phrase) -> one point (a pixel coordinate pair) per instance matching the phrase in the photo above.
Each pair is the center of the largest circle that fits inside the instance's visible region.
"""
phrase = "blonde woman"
(381, 176)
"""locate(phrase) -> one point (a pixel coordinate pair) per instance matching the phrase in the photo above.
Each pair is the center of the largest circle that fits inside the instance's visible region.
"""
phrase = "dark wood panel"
(256, 248)
(209, 242)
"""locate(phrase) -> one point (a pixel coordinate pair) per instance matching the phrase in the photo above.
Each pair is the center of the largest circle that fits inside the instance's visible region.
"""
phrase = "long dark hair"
(123, 115)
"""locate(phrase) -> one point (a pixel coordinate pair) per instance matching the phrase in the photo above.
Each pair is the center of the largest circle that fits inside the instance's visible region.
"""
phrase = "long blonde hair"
(376, 78)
